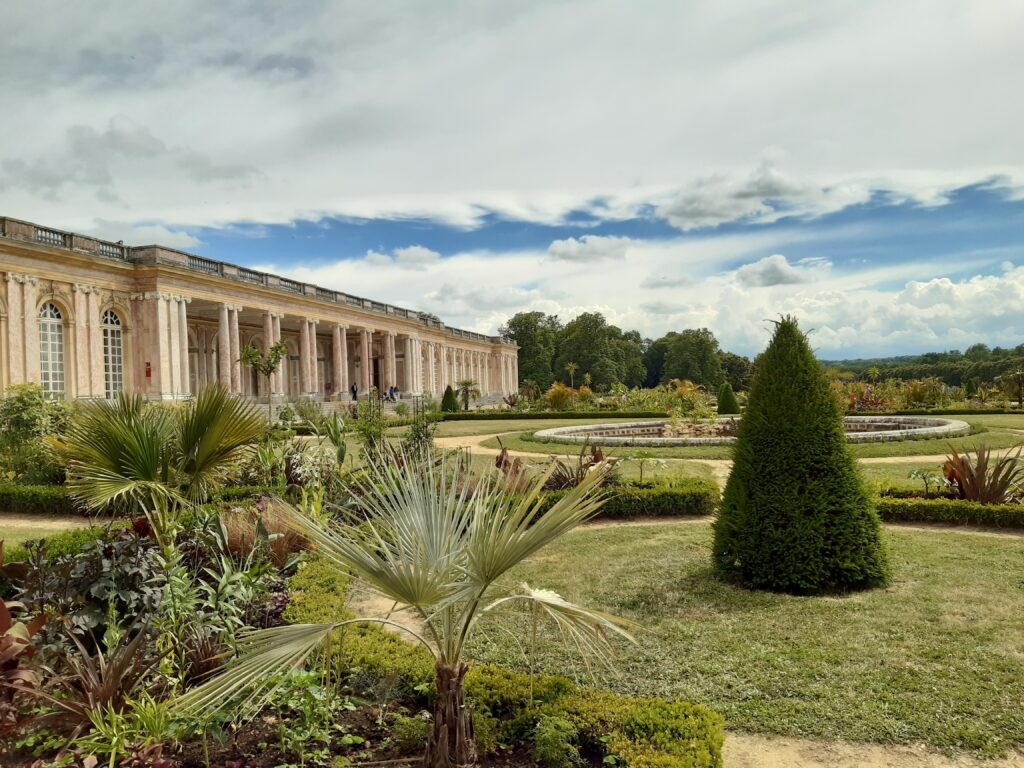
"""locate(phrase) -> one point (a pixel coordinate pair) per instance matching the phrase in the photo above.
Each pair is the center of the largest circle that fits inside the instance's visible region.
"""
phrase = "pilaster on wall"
(22, 331)
(160, 373)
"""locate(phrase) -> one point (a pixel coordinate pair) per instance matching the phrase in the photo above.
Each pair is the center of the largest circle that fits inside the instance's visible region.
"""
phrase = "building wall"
(68, 304)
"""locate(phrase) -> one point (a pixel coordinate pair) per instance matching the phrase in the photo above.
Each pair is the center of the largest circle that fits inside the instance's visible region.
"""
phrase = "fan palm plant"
(466, 389)
(439, 547)
(126, 455)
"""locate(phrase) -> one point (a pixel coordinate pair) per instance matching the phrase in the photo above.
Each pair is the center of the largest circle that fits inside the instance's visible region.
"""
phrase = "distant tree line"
(976, 365)
(589, 350)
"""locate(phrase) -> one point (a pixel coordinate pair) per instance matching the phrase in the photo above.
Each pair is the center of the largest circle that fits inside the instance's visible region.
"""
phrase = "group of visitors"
(391, 396)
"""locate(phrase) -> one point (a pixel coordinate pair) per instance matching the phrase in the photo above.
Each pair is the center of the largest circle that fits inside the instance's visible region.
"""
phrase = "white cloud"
(712, 114)
(776, 270)
(589, 248)
(413, 257)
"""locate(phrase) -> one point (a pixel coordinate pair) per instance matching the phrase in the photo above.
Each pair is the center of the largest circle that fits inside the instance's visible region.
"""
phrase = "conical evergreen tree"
(727, 403)
(449, 402)
(796, 516)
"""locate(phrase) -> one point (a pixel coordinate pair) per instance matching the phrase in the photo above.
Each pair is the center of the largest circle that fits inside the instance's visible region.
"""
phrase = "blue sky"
(669, 164)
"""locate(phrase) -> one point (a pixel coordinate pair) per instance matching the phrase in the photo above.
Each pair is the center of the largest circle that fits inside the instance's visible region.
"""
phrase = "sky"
(672, 165)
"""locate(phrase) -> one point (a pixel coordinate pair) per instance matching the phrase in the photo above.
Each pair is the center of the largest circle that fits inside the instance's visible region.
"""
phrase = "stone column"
(30, 328)
(224, 348)
(304, 356)
(339, 360)
(80, 380)
(183, 302)
(515, 372)
(365, 363)
(410, 369)
(236, 352)
(314, 368)
(202, 364)
(277, 380)
(392, 360)
(15, 328)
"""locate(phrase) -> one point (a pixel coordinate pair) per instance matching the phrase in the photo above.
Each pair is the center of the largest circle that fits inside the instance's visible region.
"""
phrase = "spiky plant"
(440, 548)
(985, 479)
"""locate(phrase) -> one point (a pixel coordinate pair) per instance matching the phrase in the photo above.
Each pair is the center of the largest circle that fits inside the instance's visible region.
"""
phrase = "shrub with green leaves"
(449, 402)
(727, 403)
(796, 516)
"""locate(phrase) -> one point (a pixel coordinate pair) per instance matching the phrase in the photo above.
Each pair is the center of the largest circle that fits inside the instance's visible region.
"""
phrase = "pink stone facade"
(87, 318)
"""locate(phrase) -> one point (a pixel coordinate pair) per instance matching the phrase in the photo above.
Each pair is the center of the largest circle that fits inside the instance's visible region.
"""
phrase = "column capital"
(312, 320)
(341, 326)
(82, 288)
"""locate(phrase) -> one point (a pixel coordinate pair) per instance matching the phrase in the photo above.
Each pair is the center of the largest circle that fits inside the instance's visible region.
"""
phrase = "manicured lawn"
(895, 474)
(994, 438)
(487, 426)
(935, 658)
(14, 529)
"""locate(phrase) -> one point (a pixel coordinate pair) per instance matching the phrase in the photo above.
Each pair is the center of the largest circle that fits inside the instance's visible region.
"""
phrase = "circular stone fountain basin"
(859, 429)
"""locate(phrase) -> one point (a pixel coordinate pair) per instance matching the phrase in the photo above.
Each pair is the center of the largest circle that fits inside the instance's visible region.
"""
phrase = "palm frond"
(409, 548)
(213, 431)
(249, 683)
(511, 527)
(588, 629)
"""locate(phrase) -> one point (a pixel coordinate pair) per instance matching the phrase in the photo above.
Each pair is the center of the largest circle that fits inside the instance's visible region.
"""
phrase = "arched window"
(51, 349)
(113, 354)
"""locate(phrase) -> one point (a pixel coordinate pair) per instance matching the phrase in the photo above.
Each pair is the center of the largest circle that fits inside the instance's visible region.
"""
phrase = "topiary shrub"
(449, 402)
(727, 403)
(796, 516)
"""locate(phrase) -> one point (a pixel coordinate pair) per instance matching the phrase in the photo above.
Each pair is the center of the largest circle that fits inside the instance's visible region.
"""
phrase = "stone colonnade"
(149, 342)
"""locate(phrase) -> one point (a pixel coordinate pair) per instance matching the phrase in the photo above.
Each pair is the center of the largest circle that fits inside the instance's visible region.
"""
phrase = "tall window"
(51, 349)
(113, 354)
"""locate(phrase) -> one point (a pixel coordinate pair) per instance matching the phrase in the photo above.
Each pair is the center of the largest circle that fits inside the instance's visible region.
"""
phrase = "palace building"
(86, 318)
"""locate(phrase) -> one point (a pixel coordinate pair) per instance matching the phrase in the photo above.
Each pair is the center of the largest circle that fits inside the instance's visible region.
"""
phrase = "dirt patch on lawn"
(743, 750)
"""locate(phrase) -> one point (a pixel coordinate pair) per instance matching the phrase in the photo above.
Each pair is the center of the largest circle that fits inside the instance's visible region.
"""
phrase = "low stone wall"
(859, 429)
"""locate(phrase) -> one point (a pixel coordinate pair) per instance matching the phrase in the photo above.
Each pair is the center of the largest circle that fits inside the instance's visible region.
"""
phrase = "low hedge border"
(942, 412)
(950, 511)
(686, 498)
(37, 500)
(57, 500)
(510, 415)
(637, 732)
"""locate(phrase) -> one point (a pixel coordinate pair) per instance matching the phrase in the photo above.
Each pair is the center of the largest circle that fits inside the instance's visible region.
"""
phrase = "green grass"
(17, 529)
(488, 427)
(993, 437)
(934, 659)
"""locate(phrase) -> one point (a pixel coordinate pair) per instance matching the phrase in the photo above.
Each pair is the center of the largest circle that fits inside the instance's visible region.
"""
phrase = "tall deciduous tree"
(537, 337)
(796, 516)
(694, 355)
(604, 350)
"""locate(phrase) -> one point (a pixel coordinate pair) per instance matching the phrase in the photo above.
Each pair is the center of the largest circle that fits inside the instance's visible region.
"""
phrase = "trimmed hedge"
(36, 500)
(942, 412)
(951, 511)
(509, 415)
(688, 497)
(639, 732)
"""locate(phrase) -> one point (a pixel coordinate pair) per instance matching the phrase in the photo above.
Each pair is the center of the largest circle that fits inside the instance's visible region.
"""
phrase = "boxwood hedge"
(685, 498)
(951, 511)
